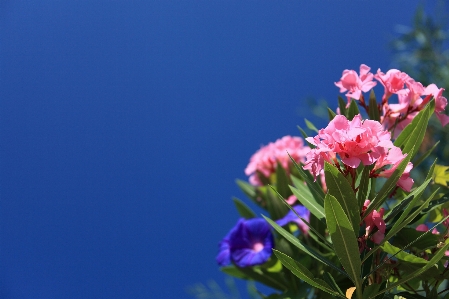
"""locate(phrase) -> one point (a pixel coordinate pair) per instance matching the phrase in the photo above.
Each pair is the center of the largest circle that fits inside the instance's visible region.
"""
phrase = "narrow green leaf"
(388, 186)
(276, 208)
(282, 181)
(436, 203)
(331, 113)
(339, 187)
(304, 135)
(413, 134)
(425, 155)
(248, 189)
(309, 250)
(401, 223)
(343, 238)
(306, 199)
(342, 105)
(416, 194)
(304, 274)
(310, 125)
(362, 193)
(312, 231)
(373, 108)
(233, 271)
(370, 290)
(329, 279)
(267, 278)
(400, 254)
(314, 186)
(435, 259)
(243, 209)
(353, 110)
(421, 240)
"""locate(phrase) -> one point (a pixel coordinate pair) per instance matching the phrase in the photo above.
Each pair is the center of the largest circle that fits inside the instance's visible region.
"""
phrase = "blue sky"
(124, 124)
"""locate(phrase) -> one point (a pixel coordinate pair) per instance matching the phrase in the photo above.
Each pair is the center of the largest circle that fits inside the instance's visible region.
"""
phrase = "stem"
(445, 290)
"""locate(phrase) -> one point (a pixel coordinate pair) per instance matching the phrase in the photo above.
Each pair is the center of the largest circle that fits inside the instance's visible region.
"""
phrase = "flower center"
(258, 247)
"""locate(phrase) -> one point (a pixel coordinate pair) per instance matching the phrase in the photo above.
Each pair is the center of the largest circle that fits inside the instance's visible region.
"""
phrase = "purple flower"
(249, 243)
(291, 217)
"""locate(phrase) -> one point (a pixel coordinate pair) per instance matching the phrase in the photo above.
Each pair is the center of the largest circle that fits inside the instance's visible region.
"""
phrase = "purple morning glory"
(249, 243)
(291, 217)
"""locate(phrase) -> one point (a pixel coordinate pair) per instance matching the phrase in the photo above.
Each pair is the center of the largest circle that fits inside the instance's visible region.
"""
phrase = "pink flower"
(266, 159)
(375, 219)
(393, 82)
(440, 103)
(398, 116)
(351, 82)
(354, 141)
(393, 158)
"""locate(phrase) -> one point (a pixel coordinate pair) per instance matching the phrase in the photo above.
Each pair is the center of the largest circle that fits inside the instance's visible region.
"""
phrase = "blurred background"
(124, 124)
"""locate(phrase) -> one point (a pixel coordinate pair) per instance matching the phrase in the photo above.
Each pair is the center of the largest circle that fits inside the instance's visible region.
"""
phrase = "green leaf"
(370, 290)
(312, 231)
(304, 135)
(306, 199)
(304, 274)
(233, 271)
(401, 222)
(310, 125)
(436, 203)
(416, 195)
(339, 187)
(342, 105)
(282, 181)
(362, 193)
(329, 279)
(400, 254)
(343, 238)
(248, 189)
(309, 250)
(435, 259)
(425, 155)
(441, 175)
(421, 240)
(276, 208)
(314, 186)
(331, 113)
(270, 279)
(353, 110)
(388, 186)
(373, 108)
(413, 134)
(243, 209)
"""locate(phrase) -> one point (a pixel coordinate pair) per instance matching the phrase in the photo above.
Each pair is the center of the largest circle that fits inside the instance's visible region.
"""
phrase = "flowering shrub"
(366, 229)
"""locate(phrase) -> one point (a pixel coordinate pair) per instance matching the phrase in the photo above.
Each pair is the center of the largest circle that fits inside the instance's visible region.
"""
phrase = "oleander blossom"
(266, 159)
(249, 243)
(353, 83)
(353, 140)
(375, 220)
(291, 216)
(393, 82)
(357, 141)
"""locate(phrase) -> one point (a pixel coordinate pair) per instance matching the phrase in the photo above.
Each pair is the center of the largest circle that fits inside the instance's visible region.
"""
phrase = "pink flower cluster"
(408, 91)
(356, 141)
(266, 159)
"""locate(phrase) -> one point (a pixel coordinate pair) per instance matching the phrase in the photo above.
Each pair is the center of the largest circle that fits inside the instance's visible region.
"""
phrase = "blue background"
(123, 125)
